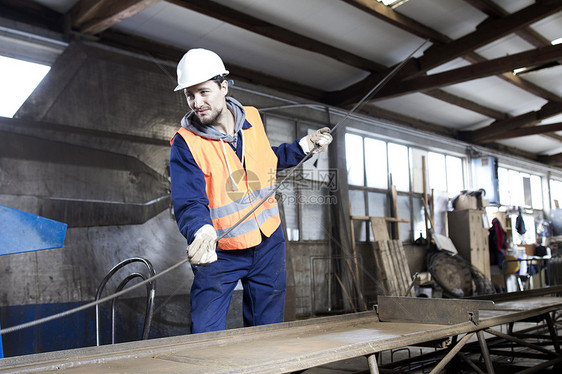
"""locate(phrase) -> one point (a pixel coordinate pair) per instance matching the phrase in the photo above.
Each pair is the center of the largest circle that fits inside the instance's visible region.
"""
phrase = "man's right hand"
(202, 250)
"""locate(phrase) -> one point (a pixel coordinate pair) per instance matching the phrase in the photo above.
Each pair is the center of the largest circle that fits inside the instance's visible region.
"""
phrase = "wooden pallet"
(391, 259)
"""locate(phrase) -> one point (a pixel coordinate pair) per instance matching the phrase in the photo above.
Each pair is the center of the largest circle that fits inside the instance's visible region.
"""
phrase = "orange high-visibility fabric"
(227, 204)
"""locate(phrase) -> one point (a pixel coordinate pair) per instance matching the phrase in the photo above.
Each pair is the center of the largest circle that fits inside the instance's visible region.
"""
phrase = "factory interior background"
(465, 135)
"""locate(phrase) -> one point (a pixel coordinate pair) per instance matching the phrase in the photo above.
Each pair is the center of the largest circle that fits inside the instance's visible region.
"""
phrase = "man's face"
(207, 100)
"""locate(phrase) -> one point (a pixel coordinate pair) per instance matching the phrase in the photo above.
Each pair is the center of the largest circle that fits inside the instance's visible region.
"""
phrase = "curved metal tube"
(150, 288)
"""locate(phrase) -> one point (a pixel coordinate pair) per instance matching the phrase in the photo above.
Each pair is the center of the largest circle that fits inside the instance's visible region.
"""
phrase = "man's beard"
(208, 120)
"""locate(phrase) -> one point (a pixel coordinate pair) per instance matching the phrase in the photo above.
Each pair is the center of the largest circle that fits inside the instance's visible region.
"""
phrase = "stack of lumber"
(391, 260)
(393, 267)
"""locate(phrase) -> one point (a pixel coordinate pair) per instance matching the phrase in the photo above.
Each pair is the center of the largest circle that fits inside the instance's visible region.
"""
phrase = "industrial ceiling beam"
(485, 34)
(394, 18)
(258, 26)
(155, 50)
(483, 69)
(465, 103)
(95, 16)
(352, 93)
(401, 119)
(253, 24)
(527, 131)
(494, 11)
(551, 160)
(498, 129)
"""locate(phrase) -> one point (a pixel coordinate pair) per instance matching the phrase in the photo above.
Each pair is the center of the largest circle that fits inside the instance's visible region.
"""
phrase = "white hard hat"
(197, 66)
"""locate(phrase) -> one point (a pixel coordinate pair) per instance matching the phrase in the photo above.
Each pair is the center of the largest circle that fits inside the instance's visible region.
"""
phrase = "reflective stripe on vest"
(228, 204)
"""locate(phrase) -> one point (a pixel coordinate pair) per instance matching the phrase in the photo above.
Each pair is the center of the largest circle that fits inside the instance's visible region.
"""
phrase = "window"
(445, 173)
(375, 163)
(354, 158)
(520, 189)
(455, 175)
(398, 166)
(536, 192)
(372, 163)
(437, 171)
(18, 79)
(556, 193)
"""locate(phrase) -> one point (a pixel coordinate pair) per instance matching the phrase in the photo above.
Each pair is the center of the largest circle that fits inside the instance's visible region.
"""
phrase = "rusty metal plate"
(422, 310)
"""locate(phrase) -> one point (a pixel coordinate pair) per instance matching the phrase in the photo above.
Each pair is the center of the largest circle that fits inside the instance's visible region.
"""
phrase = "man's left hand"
(319, 140)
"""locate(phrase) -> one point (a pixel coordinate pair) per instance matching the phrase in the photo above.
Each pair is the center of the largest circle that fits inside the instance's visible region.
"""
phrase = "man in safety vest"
(222, 166)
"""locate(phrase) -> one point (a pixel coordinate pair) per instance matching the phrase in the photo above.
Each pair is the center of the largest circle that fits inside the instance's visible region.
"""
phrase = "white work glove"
(320, 138)
(202, 250)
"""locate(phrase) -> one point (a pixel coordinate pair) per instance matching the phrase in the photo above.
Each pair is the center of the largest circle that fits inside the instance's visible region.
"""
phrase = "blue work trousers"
(263, 274)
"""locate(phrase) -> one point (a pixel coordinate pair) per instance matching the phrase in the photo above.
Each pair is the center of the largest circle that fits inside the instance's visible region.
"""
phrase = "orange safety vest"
(229, 204)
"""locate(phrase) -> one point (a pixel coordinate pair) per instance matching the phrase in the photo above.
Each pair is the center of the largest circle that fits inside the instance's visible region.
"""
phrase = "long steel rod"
(445, 360)
(485, 352)
(552, 331)
(520, 342)
(375, 89)
(373, 366)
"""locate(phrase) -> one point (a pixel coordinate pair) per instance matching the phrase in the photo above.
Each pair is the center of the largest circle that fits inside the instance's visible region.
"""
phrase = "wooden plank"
(405, 269)
(380, 236)
(379, 229)
(387, 219)
(390, 277)
(380, 269)
(424, 199)
(355, 270)
(394, 202)
(396, 268)
(383, 276)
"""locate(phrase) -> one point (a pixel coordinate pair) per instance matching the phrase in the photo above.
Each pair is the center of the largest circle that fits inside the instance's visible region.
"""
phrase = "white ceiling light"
(18, 79)
(556, 41)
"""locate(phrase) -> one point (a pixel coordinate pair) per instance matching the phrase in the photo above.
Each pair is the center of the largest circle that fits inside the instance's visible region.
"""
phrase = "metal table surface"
(279, 348)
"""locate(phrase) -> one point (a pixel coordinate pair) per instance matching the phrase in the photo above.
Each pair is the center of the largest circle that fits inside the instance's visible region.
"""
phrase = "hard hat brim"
(189, 84)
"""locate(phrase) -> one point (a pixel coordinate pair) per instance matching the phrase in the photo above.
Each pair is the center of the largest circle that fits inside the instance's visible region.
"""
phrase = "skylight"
(18, 79)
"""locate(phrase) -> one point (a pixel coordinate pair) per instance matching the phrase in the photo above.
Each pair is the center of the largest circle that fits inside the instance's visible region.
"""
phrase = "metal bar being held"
(371, 92)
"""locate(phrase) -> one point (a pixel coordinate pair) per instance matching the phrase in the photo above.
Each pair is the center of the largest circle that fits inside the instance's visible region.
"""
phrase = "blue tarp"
(24, 232)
